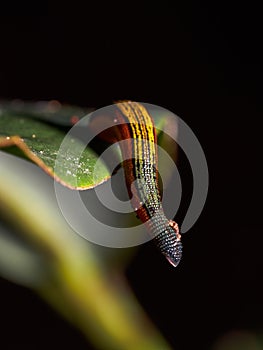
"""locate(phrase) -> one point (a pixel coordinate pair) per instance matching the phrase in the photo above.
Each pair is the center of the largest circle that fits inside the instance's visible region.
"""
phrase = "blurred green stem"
(80, 286)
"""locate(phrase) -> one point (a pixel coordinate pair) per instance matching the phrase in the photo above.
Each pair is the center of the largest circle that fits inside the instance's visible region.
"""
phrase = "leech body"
(140, 166)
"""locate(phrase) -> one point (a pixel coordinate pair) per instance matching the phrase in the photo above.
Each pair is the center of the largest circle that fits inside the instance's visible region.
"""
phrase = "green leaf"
(41, 142)
(35, 130)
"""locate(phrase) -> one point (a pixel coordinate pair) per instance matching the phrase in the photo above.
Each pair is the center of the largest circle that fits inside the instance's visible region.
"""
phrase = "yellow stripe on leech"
(146, 121)
(129, 110)
(144, 146)
(142, 129)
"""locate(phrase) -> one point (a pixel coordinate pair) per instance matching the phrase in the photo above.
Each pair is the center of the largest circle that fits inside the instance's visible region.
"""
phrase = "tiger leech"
(140, 167)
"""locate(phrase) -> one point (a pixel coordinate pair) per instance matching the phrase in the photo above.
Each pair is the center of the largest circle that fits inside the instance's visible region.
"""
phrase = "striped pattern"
(140, 165)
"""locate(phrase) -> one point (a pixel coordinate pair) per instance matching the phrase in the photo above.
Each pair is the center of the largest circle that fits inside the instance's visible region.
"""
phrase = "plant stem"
(80, 286)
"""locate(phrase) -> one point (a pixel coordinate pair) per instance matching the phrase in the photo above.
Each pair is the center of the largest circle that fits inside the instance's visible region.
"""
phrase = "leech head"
(174, 253)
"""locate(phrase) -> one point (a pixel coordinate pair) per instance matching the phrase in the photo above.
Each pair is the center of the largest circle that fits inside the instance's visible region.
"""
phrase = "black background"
(204, 63)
